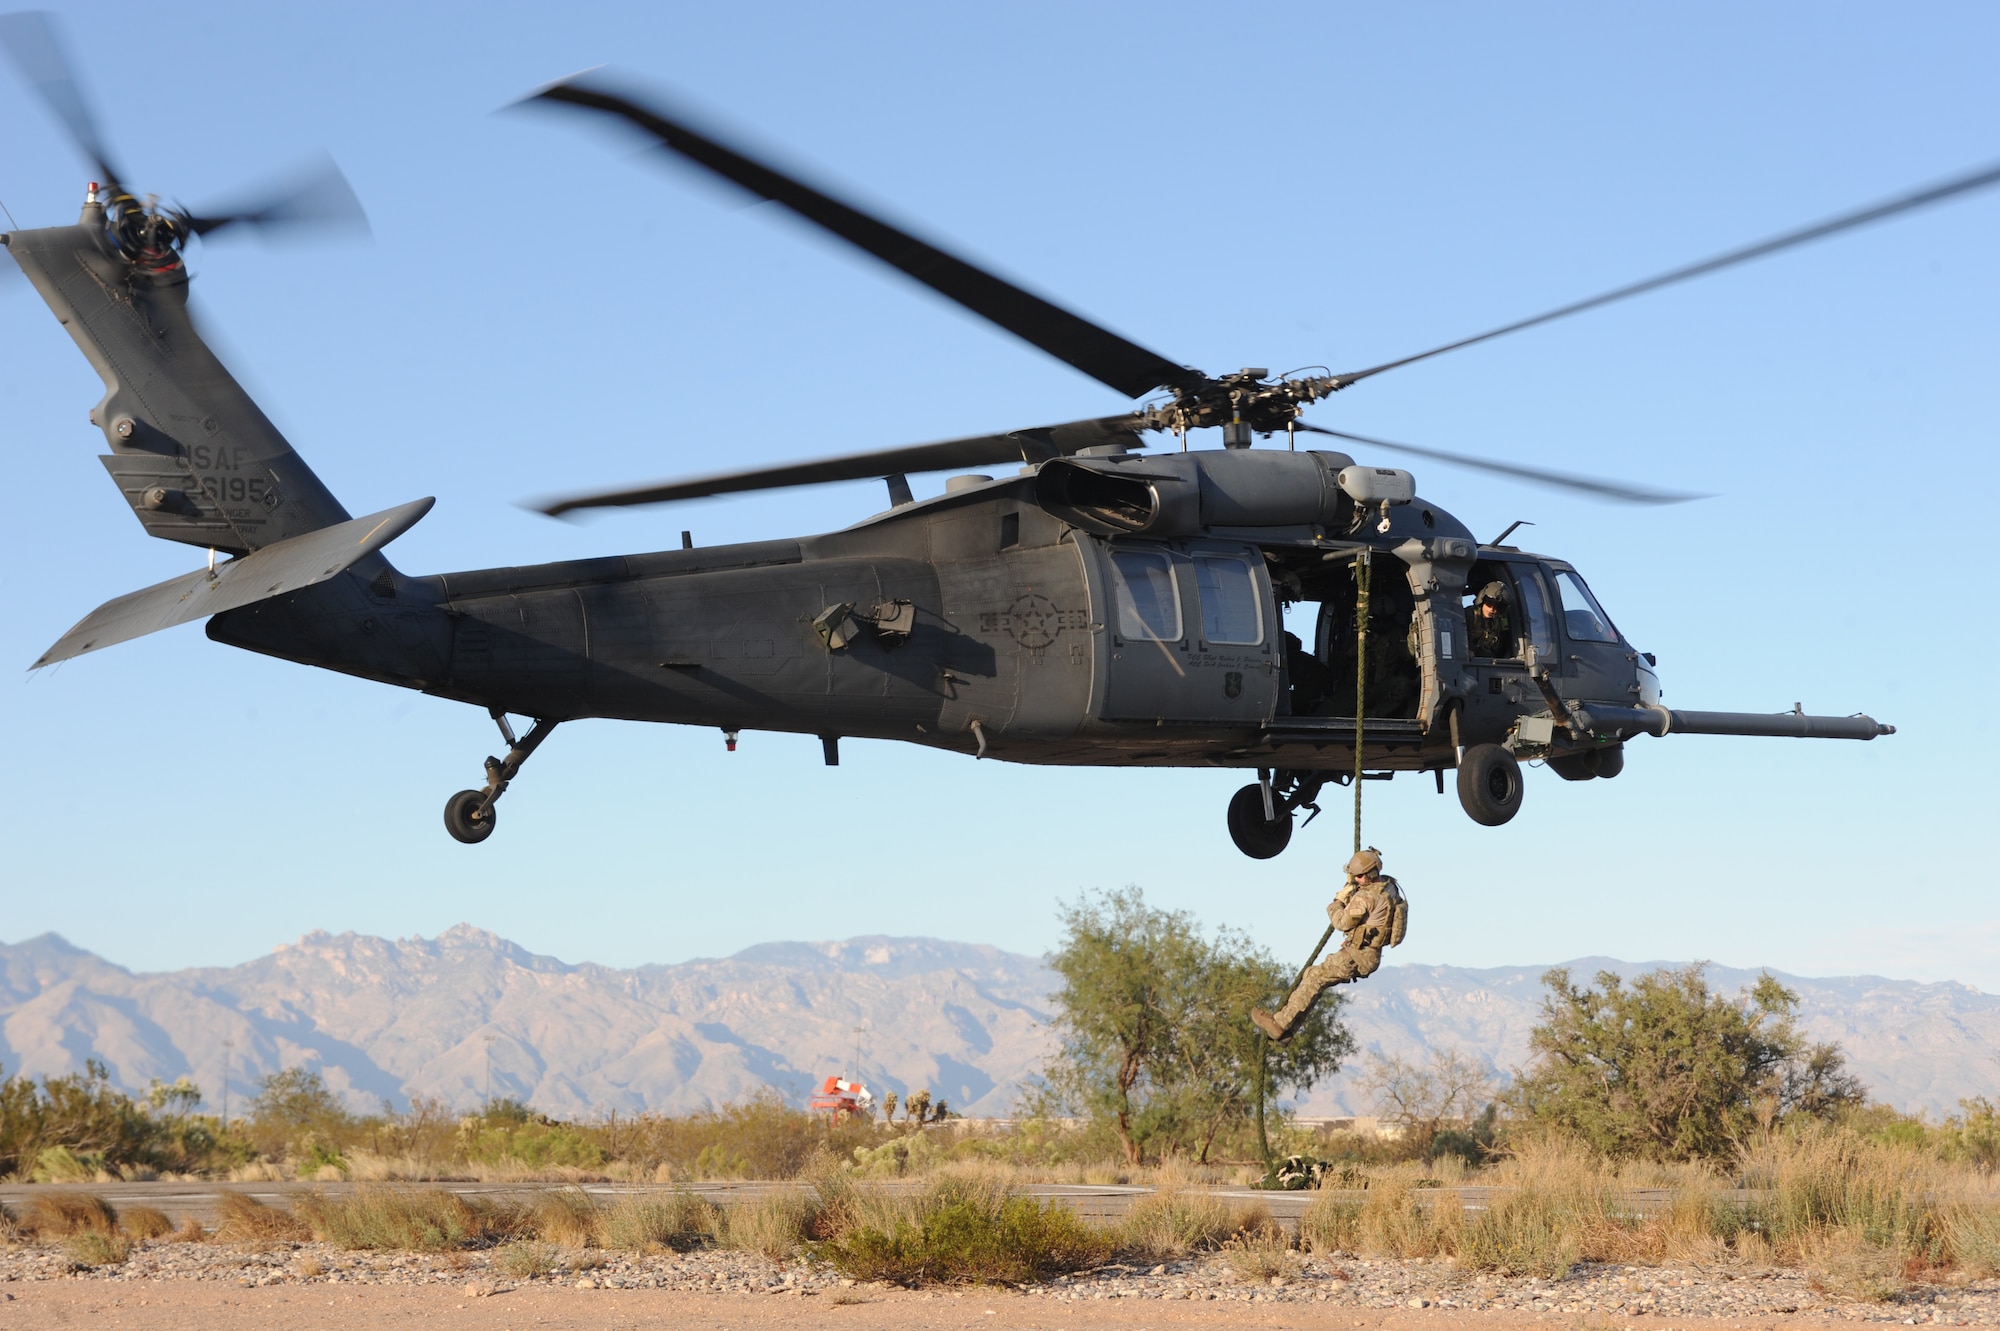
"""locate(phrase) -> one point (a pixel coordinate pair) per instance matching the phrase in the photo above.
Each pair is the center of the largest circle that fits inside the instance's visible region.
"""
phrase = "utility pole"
(489, 1072)
(228, 1047)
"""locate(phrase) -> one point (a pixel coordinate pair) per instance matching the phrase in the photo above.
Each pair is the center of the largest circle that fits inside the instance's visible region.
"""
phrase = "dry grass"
(525, 1260)
(1843, 1262)
(62, 1215)
(1332, 1223)
(1260, 1249)
(776, 1225)
(190, 1231)
(567, 1217)
(247, 1220)
(1970, 1230)
(1399, 1220)
(1173, 1222)
(419, 1220)
(145, 1222)
(95, 1247)
(677, 1222)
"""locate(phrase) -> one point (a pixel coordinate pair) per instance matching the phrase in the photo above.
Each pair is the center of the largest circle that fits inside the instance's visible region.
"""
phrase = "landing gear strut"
(1260, 815)
(469, 815)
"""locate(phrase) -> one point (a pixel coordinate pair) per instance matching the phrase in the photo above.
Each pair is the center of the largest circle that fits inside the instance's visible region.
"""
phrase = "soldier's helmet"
(1368, 860)
(1494, 592)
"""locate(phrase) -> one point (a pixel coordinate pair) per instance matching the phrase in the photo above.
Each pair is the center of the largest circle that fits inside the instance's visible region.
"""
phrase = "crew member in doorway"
(1491, 628)
(1371, 911)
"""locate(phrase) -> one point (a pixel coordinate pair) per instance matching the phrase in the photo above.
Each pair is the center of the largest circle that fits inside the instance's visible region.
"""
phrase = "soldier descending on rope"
(1371, 910)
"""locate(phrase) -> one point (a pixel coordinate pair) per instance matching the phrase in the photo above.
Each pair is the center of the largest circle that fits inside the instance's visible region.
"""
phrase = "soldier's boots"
(1268, 1024)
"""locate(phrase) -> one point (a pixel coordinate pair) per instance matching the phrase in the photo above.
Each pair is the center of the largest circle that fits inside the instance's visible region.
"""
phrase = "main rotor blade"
(321, 197)
(1034, 445)
(32, 44)
(1617, 491)
(1984, 178)
(1098, 352)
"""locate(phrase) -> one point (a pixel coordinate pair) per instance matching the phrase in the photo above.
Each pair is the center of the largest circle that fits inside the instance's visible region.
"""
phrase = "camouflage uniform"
(1363, 910)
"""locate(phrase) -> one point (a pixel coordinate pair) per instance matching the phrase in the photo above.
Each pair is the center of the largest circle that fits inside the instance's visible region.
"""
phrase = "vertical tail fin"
(193, 455)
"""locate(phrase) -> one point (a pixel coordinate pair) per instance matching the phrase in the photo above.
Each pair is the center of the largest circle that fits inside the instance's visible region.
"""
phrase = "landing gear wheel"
(463, 819)
(1253, 835)
(1489, 784)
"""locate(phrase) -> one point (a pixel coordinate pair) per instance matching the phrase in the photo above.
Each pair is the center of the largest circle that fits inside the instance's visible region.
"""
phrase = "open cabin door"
(1191, 631)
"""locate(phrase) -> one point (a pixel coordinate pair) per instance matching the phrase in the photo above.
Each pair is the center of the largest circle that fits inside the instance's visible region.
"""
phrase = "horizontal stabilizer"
(275, 569)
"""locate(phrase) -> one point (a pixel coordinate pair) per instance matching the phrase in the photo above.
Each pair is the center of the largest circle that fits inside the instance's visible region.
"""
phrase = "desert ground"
(175, 1282)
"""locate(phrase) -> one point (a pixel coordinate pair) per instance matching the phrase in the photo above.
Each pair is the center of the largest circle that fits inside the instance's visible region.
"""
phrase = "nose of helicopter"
(1650, 692)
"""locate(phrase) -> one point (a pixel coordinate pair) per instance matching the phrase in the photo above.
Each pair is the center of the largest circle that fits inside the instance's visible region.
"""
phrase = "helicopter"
(1098, 604)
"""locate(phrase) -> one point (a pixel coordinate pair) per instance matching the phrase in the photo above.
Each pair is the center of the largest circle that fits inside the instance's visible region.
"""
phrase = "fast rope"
(1364, 569)
(1363, 575)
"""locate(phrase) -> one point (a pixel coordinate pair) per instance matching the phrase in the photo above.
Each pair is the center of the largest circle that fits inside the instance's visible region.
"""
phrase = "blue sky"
(1275, 185)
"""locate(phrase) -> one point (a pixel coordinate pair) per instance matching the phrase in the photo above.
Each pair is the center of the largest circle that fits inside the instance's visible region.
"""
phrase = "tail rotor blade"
(31, 43)
(321, 198)
(1615, 491)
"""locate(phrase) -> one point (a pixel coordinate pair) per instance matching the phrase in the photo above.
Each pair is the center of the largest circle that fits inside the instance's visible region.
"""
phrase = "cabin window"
(1230, 613)
(1583, 618)
(1149, 602)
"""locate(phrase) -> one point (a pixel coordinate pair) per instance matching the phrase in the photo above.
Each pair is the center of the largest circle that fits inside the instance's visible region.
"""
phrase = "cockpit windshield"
(1583, 618)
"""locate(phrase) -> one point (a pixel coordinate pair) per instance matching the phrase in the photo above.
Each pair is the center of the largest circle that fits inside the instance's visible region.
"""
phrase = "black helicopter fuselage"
(1104, 608)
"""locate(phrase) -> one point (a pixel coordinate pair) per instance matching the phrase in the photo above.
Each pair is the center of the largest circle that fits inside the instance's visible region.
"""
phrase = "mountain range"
(385, 1019)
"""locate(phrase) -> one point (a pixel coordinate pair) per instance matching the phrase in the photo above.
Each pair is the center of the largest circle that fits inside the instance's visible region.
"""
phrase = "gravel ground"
(1602, 1296)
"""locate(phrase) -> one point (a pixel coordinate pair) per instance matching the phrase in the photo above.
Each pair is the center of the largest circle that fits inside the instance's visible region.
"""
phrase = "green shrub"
(962, 1231)
(1520, 1233)
(94, 1247)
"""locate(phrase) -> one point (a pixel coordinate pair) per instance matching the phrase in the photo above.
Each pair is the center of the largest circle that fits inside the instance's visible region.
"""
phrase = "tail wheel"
(1489, 784)
(1254, 835)
(465, 820)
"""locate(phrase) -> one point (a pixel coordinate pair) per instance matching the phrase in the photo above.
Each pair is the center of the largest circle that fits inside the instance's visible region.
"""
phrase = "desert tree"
(1154, 1035)
(1666, 1068)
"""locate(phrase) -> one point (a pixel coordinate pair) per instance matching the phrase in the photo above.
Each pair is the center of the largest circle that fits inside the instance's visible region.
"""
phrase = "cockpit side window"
(1583, 618)
(1534, 602)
